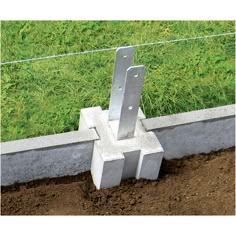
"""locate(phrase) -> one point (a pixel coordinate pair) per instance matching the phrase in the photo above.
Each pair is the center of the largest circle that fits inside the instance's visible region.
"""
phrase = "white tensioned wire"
(113, 48)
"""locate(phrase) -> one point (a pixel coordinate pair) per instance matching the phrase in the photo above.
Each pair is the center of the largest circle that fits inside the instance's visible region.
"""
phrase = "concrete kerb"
(71, 153)
(48, 141)
(194, 132)
(46, 156)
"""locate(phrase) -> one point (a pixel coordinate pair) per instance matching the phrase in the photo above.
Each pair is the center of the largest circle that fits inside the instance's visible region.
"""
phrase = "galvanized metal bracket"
(123, 60)
(130, 101)
(126, 92)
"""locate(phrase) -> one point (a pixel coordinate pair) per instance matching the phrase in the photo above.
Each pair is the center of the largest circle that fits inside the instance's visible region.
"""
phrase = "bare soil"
(196, 185)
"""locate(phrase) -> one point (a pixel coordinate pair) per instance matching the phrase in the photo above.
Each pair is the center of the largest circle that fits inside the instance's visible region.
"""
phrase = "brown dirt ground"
(195, 185)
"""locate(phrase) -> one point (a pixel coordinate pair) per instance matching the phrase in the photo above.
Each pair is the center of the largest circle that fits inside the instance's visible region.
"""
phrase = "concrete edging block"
(194, 132)
(46, 156)
(71, 153)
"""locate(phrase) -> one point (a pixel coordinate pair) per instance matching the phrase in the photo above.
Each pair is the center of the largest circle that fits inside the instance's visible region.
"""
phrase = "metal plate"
(130, 102)
(124, 59)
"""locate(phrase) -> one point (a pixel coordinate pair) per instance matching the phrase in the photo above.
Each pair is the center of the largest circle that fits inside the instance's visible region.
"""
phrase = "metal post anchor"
(124, 148)
(126, 92)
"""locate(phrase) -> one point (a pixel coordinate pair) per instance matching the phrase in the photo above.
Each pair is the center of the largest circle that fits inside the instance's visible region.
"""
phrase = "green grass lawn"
(45, 97)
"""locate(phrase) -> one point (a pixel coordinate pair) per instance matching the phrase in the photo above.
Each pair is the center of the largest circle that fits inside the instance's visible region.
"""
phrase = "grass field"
(45, 97)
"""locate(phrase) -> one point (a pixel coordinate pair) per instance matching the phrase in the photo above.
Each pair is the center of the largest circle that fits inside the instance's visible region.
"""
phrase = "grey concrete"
(189, 117)
(131, 163)
(114, 159)
(111, 173)
(70, 153)
(149, 165)
(46, 156)
(48, 141)
(194, 132)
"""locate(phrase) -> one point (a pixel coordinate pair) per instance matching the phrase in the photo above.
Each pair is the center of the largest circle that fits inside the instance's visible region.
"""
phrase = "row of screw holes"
(120, 88)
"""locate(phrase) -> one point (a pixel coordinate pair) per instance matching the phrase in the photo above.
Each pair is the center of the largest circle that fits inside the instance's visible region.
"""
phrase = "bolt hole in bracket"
(126, 89)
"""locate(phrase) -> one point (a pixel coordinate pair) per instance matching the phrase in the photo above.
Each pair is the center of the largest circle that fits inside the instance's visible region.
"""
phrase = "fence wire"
(114, 48)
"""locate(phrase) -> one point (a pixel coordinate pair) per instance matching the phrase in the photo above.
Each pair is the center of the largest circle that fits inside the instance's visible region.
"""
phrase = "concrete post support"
(114, 160)
(124, 149)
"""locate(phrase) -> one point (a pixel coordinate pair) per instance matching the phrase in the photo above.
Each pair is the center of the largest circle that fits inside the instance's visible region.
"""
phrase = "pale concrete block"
(112, 171)
(114, 159)
(194, 132)
(106, 170)
(149, 165)
(199, 137)
(68, 159)
(88, 117)
(48, 141)
(46, 156)
(131, 163)
(185, 118)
